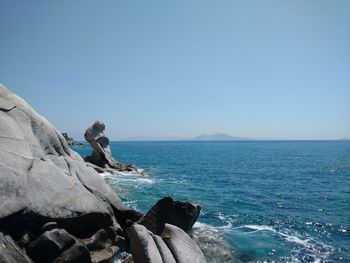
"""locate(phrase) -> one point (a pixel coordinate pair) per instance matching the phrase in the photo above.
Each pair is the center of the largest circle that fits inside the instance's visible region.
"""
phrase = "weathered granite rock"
(174, 246)
(102, 155)
(43, 180)
(10, 252)
(183, 248)
(99, 240)
(164, 251)
(77, 253)
(70, 140)
(142, 245)
(105, 243)
(166, 210)
(49, 245)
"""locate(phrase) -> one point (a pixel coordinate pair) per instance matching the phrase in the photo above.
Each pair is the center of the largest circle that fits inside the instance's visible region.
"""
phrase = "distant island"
(202, 137)
(218, 137)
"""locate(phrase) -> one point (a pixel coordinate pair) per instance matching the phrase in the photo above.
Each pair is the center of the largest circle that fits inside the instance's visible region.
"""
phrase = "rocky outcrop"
(53, 206)
(70, 141)
(43, 180)
(166, 210)
(101, 155)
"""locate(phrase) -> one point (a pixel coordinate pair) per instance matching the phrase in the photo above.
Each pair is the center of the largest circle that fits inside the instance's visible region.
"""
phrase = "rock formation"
(54, 208)
(173, 246)
(166, 210)
(71, 141)
(43, 180)
(102, 155)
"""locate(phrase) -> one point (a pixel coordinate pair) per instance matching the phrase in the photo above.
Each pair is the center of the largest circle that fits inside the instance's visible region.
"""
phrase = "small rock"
(98, 240)
(119, 241)
(48, 226)
(24, 240)
(49, 245)
(78, 253)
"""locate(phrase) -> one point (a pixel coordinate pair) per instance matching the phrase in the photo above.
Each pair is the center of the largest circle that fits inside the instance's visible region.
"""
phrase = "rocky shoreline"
(55, 207)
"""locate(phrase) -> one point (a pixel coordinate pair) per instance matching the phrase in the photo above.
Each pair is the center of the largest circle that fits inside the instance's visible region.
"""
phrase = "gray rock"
(102, 154)
(49, 245)
(43, 180)
(10, 252)
(164, 251)
(183, 248)
(142, 245)
(166, 210)
(99, 240)
(174, 246)
(77, 253)
(48, 226)
(70, 141)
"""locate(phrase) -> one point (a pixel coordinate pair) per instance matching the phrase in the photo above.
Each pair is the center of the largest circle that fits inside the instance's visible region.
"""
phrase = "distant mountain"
(203, 137)
(148, 138)
(218, 137)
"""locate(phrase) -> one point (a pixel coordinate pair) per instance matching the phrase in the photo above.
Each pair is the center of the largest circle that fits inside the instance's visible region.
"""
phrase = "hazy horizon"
(271, 69)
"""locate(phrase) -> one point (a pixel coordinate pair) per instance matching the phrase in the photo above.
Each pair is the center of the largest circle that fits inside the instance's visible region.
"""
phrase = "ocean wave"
(128, 177)
(306, 248)
(227, 220)
(256, 228)
(212, 242)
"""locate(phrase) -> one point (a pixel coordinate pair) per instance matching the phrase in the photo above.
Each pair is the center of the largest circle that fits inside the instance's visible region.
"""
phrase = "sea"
(262, 201)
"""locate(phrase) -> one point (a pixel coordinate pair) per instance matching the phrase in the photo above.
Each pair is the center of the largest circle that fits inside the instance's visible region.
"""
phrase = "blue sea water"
(262, 201)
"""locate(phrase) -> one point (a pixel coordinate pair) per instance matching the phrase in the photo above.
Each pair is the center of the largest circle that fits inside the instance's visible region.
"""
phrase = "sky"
(257, 69)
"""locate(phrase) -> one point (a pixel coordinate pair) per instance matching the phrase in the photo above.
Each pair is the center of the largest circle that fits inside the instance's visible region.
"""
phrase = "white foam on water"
(203, 226)
(228, 220)
(105, 174)
(132, 176)
(211, 241)
(120, 257)
(257, 228)
(311, 247)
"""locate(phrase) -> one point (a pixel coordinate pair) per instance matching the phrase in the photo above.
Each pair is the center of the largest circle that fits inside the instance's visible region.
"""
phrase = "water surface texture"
(286, 201)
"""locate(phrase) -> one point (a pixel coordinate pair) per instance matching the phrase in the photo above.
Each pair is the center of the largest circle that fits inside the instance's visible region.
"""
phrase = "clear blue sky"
(275, 69)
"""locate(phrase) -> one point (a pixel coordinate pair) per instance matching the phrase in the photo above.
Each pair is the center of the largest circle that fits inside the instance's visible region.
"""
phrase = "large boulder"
(50, 245)
(182, 246)
(43, 180)
(166, 210)
(173, 246)
(164, 251)
(101, 155)
(142, 245)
